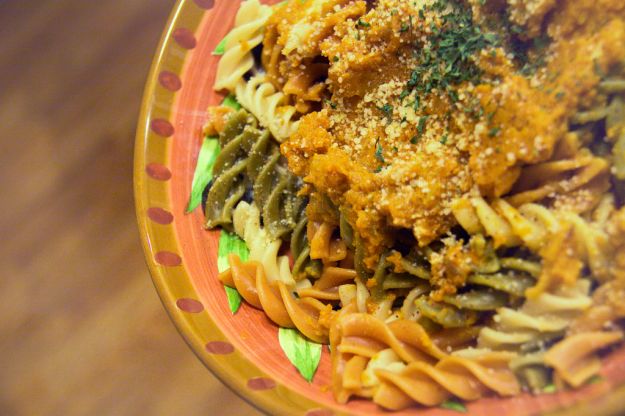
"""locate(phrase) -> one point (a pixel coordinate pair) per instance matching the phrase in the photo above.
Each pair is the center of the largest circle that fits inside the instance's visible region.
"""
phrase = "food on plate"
(434, 188)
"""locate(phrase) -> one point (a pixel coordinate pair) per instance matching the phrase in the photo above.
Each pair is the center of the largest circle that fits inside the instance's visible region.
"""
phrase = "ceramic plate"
(242, 349)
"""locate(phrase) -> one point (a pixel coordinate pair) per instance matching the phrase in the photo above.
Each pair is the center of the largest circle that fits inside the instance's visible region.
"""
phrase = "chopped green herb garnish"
(335, 59)
(378, 169)
(421, 125)
(494, 131)
(414, 140)
(452, 94)
(404, 27)
(362, 23)
(448, 58)
(444, 139)
(415, 105)
(331, 104)
(387, 109)
(378, 152)
(395, 149)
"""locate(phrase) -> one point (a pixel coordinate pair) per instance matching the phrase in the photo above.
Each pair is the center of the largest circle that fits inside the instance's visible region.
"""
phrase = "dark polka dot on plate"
(162, 127)
(167, 258)
(169, 80)
(205, 4)
(158, 172)
(319, 412)
(219, 347)
(160, 216)
(184, 37)
(261, 383)
(189, 305)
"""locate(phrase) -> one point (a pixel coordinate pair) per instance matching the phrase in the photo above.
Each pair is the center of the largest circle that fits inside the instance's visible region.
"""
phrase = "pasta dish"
(433, 188)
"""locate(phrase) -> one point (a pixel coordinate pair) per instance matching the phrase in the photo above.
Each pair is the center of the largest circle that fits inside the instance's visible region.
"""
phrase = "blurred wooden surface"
(82, 331)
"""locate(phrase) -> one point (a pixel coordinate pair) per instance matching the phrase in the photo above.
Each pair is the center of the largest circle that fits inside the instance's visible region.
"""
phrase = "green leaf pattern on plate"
(221, 46)
(454, 405)
(301, 352)
(231, 101)
(203, 171)
(230, 243)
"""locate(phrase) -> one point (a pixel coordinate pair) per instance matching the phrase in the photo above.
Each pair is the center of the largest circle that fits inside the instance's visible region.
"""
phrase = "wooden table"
(82, 330)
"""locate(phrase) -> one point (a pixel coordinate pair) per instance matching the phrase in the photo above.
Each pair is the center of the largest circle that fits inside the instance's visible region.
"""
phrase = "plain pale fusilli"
(237, 59)
(268, 105)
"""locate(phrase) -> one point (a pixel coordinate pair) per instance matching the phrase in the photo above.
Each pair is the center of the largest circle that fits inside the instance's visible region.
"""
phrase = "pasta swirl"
(268, 105)
(451, 192)
(430, 385)
(276, 299)
(237, 59)
(263, 248)
(574, 358)
(538, 320)
(250, 161)
(229, 184)
(362, 335)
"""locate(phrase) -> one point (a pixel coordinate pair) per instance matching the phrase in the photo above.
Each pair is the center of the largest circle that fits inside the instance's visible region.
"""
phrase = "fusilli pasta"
(452, 195)
(237, 59)
(268, 105)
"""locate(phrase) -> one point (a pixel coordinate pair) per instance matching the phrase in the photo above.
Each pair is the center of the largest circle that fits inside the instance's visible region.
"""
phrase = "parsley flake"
(331, 104)
(421, 125)
(387, 109)
(494, 131)
(448, 58)
(378, 151)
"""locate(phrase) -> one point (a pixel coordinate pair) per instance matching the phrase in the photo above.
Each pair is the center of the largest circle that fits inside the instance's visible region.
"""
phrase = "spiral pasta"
(263, 248)
(237, 59)
(268, 105)
(441, 202)
(487, 288)
(397, 364)
(564, 240)
(538, 320)
(362, 335)
(275, 298)
(562, 177)
(529, 224)
(303, 265)
(292, 54)
(574, 358)
(249, 161)
(430, 385)
(229, 185)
